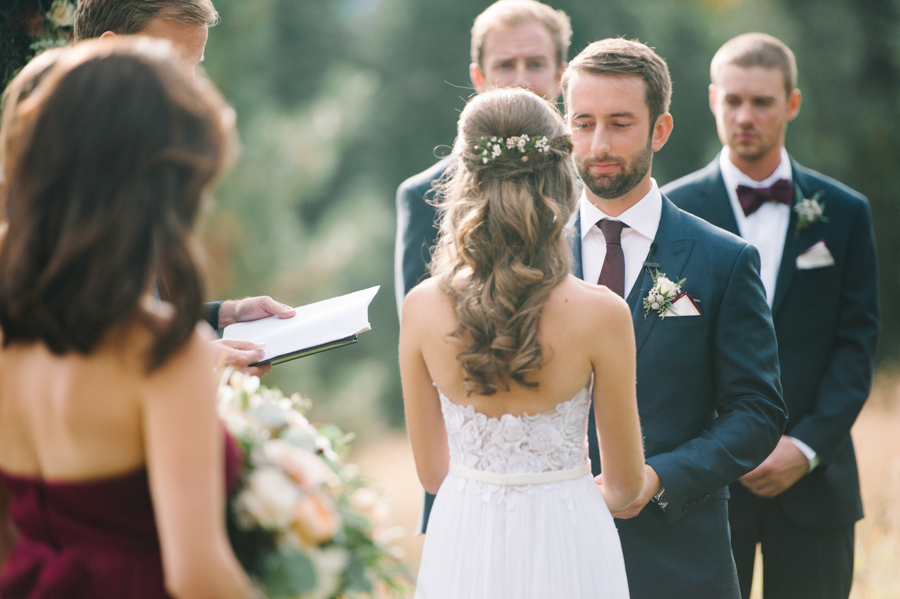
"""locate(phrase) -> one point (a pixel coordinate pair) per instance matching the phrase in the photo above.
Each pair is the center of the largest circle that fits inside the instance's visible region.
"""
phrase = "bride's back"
(571, 320)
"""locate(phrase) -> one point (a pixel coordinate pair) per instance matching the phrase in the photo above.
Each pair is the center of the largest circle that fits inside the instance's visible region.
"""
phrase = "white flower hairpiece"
(516, 147)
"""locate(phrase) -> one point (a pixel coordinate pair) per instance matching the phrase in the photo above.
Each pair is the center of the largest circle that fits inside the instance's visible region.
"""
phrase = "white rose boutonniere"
(809, 210)
(662, 294)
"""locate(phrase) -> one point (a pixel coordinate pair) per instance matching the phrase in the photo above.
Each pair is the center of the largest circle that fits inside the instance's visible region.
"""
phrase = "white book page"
(312, 325)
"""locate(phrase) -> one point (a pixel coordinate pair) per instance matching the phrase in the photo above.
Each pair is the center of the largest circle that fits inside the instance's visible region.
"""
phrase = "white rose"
(270, 497)
(469, 437)
(512, 429)
(522, 462)
(544, 438)
(665, 286)
(250, 384)
(62, 13)
(330, 565)
(574, 425)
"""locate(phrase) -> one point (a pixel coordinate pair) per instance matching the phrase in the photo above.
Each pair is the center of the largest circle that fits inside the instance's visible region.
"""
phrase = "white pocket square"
(815, 256)
(684, 305)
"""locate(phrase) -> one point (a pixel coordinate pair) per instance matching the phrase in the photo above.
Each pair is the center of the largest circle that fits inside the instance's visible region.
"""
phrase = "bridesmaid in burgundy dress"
(112, 483)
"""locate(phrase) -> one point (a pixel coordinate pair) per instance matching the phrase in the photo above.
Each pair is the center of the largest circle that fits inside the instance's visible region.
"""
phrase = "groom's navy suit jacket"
(827, 324)
(710, 406)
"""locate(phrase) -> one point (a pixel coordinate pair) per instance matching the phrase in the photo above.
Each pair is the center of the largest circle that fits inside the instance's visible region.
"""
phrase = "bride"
(501, 352)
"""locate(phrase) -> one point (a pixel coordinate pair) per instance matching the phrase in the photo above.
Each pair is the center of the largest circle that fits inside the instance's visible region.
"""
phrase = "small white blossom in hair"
(518, 146)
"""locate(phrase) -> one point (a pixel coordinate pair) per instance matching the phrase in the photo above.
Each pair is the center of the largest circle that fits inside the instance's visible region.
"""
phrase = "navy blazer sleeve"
(845, 385)
(211, 313)
(417, 229)
(750, 411)
(416, 234)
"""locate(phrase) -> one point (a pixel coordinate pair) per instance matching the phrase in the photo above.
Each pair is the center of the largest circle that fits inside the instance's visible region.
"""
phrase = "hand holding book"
(314, 328)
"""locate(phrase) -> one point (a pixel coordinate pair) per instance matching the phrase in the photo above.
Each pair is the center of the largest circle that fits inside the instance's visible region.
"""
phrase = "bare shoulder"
(426, 302)
(592, 304)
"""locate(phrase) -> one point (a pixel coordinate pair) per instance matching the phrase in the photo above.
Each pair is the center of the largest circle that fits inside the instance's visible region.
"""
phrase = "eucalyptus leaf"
(287, 573)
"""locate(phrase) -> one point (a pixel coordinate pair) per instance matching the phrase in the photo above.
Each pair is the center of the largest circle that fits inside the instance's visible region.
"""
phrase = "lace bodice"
(554, 440)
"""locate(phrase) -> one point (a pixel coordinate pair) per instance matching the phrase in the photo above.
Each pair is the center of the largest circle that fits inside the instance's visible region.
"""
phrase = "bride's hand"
(652, 486)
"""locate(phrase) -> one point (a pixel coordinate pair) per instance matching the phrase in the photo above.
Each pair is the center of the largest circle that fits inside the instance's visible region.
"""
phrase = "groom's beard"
(610, 187)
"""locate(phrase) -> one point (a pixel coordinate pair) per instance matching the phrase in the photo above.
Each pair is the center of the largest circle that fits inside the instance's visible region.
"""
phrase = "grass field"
(388, 462)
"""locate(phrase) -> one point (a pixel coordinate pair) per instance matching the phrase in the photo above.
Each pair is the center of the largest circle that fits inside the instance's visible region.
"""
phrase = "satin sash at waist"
(521, 478)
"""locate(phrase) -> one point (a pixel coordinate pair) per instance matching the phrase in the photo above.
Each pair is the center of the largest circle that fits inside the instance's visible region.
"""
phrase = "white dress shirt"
(766, 228)
(642, 220)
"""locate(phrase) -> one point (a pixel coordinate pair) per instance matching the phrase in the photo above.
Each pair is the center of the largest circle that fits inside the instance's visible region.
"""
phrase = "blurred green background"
(339, 101)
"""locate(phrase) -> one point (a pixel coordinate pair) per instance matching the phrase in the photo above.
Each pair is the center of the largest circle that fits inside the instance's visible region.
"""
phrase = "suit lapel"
(717, 209)
(670, 250)
(793, 243)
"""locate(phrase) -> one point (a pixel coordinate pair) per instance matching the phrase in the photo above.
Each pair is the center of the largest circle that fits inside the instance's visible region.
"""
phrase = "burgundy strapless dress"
(88, 540)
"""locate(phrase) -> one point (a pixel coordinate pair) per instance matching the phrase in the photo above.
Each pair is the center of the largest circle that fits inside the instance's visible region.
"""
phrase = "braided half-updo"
(501, 247)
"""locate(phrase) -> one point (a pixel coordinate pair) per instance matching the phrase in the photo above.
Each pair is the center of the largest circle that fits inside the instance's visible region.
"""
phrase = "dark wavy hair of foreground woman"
(501, 247)
(105, 163)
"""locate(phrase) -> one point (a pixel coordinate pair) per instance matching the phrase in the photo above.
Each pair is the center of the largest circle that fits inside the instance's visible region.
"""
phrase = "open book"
(315, 328)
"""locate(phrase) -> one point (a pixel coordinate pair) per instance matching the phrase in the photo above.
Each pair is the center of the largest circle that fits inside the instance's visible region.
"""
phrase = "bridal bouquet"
(302, 522)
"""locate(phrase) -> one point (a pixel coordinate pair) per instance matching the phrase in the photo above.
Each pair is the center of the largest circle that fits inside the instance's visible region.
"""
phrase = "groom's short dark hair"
(95, 17)
(757, 50)
(617, 56)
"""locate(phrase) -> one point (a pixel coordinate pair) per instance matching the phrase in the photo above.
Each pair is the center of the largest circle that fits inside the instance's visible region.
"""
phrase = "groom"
(708, 386)
(802, 502)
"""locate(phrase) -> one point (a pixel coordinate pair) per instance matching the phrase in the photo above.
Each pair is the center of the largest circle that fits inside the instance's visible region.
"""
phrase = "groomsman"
(186, 24)
(708, 386)
(819, 270)
(515, 43)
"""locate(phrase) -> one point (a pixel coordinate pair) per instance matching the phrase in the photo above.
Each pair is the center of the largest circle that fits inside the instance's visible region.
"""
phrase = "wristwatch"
(660, 499)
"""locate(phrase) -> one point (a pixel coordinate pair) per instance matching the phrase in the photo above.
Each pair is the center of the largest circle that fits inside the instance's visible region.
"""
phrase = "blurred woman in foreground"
(111, 451)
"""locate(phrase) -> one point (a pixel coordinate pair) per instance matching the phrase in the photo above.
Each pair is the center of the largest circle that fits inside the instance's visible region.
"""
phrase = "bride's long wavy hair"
(501, 247)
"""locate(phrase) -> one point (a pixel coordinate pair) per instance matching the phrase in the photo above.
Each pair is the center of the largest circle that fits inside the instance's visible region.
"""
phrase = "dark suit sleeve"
(847, 380)
(751, 414)
(211, 313)
(416, 234)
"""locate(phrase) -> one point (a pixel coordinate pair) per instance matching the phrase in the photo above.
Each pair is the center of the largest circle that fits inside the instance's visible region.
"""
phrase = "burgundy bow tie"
(751, 198)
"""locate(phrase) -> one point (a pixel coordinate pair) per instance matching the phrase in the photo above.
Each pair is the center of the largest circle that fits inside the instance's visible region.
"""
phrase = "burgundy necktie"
(612, 274)
(751, 198)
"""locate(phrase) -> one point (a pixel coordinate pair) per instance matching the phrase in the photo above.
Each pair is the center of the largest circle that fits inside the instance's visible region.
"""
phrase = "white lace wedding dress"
(519, 516)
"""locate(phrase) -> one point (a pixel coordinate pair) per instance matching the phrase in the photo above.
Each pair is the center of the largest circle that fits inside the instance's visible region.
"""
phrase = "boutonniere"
(809, 210)
(663, 293)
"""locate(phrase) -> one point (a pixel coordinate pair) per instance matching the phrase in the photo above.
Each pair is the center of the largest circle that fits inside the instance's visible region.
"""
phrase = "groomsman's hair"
(510, 13)
(757, 50)
(617, 56)
(95, 17)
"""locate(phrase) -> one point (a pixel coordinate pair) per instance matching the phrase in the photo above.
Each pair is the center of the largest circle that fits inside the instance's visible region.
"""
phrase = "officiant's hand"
(652, 486)
(240, 354)
(252, 308)
(778, 473)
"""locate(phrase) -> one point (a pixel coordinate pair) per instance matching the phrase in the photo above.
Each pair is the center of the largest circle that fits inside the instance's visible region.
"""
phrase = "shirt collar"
(643, 217)
(733, 176)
